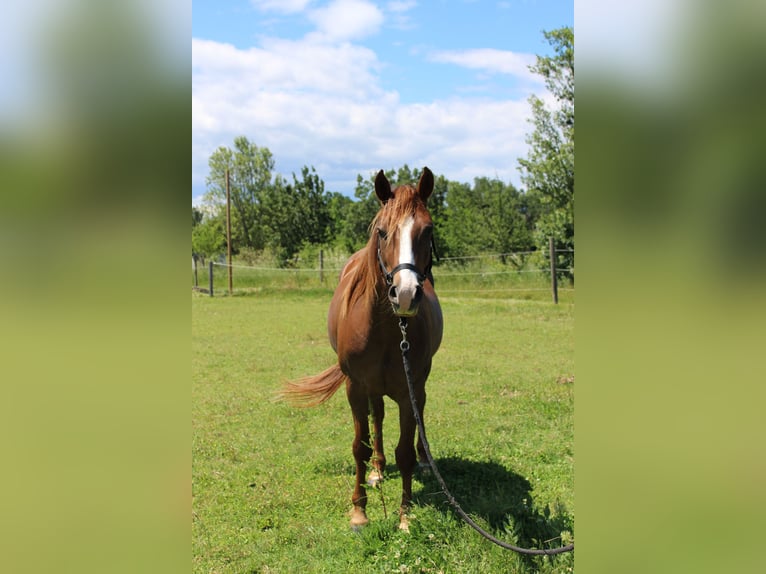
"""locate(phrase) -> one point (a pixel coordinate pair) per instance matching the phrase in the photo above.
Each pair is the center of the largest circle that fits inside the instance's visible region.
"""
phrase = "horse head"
(403, 231)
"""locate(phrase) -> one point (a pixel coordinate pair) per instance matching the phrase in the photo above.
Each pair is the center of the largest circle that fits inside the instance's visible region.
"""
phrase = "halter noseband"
(389, 275)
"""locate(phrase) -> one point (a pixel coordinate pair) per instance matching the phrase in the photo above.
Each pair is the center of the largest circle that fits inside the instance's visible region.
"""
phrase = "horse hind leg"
(378, 458)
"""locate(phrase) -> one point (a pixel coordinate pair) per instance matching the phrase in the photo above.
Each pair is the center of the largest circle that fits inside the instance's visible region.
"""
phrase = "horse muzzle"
(405, 298)
(405, 286)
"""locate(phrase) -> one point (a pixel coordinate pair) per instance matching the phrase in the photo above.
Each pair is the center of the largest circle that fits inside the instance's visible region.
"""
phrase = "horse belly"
(365, 365)
(435, 320)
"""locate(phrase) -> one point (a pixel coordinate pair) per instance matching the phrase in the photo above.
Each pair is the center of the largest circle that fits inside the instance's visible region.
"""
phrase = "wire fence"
(492, 275)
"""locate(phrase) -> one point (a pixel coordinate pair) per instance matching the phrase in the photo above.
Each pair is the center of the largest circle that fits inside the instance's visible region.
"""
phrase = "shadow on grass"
(490, 492)
(499, 499)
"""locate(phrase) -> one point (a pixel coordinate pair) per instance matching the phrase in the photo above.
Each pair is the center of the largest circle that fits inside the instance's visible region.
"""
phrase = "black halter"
(389, 275)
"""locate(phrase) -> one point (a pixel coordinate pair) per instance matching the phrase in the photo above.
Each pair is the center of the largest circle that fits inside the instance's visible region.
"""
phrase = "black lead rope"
(405, 348)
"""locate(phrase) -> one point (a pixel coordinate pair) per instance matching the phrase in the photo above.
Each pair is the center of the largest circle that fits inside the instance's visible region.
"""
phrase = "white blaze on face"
(408, 280)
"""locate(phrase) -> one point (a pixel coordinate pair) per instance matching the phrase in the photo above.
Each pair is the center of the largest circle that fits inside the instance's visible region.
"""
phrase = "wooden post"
(321, 266)
(554, 282)
(194, 262)
(210, 273)
(228, 230)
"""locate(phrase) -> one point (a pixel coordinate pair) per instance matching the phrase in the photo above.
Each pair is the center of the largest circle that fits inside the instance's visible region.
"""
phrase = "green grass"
(272, 483)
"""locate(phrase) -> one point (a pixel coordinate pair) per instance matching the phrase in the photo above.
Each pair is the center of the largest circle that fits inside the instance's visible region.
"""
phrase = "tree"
(362, 211)
(209, 236)
(548, 170)
(250, 170)
(502, 210)
(295, 214)
(437, 203)
(352, 231)
(464, 230)
(338, 207)
(312, 205)
(488, 216)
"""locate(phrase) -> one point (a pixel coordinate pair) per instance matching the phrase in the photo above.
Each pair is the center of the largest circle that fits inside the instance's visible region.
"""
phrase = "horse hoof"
(404, 523)
(358, 519)
(375, 478)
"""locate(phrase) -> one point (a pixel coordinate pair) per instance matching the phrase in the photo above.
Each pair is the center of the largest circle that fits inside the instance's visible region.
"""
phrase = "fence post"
(321, 266)
(194, 262)
(228, 230)
(210, 266)
(554, 282)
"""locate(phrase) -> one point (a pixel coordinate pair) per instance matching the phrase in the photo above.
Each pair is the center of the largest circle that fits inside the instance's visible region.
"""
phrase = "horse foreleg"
(362, 452)
(378, 458)
(405, 459)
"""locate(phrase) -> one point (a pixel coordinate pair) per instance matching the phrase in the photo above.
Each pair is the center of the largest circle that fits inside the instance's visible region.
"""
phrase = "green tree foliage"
(338, 207)
(437, 205)
(359, 214)
(353, 231)
(196, 217)
(208, 234)
(464, 230)
(295, 214)
(250, 170)
(488, 216)
(503, 213)
(285, 218)
(268, 212)
(548, 170)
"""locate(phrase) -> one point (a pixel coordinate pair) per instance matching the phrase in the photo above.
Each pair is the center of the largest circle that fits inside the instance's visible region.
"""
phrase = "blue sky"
(353, 86)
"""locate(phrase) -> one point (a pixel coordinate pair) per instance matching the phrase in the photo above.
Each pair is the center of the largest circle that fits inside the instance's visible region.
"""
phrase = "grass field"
(272, 483)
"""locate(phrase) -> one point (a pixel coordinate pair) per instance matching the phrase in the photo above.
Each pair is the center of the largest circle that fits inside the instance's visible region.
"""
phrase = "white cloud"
(307, 101)
(346, 20)
(284, 66)
(320, 101)
(401, 6)
(490, 60)
(283, 6)
(313, 103)
(398, 14)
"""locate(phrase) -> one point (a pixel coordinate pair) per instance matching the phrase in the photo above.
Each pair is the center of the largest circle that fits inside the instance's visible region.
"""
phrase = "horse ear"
(426, 184)
(382, 187)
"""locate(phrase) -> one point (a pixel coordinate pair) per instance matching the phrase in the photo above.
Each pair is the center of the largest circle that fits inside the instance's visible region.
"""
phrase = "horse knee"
(361, 451)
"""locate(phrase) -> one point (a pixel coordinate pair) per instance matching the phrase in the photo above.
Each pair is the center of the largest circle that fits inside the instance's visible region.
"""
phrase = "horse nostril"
(392, 293)
(418, 295)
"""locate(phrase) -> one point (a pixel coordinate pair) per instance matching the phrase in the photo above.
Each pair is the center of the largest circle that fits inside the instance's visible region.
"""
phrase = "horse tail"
(313, 391)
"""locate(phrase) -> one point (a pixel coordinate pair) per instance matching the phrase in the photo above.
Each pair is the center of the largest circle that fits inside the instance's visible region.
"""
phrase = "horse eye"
(383, 233)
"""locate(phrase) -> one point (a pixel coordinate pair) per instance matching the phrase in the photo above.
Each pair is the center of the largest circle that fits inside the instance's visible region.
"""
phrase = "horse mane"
(365, 276)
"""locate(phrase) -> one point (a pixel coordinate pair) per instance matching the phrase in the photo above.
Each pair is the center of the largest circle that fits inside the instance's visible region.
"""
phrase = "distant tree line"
(270, 213)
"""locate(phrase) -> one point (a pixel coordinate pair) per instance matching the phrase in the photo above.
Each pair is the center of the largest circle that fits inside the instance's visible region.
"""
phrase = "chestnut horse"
(388, 278)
